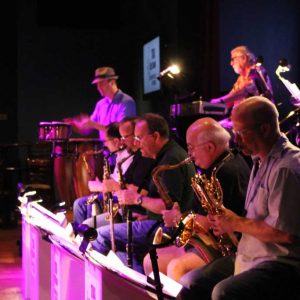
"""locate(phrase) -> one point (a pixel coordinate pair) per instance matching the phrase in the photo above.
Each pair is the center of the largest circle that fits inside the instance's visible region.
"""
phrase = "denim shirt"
(273, 197)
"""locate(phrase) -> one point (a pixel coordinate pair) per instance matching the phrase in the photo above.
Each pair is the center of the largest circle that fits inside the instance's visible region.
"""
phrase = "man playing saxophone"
(152, 136)
(267, 263)
(208, 146)
(135, 170)
(82, 210)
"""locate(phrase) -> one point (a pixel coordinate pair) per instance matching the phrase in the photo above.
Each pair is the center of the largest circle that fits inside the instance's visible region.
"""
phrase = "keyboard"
(197, 108)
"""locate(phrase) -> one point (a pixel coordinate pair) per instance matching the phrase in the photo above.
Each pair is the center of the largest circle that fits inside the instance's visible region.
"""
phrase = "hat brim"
(96, 80)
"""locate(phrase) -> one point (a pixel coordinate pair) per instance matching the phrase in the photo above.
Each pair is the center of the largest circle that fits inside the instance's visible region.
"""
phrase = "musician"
(152, 136)
(113, 107)
(137, 175)
(252, 80)
(208, 144)
(112, 140)
(267, 262)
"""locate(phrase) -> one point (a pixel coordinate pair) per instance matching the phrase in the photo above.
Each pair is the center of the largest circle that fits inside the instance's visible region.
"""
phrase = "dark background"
(60, 43)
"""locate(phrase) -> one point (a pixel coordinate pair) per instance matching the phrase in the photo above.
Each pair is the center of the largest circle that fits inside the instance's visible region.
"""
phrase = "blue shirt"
(273, 197)
(115, 110)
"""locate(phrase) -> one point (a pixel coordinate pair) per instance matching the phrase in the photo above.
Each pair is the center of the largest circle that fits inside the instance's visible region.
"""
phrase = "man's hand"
(171, 216)
(224, 223)
(127, 197)
(216, 100)
(110, 185)
(95, 185)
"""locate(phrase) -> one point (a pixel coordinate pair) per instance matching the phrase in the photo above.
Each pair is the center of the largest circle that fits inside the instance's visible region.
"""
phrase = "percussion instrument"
(75, 162)
(54, 131)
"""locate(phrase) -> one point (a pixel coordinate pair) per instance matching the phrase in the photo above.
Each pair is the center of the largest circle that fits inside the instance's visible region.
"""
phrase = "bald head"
(256, 110)
(208, 129)
(256, 126)
(206, 140)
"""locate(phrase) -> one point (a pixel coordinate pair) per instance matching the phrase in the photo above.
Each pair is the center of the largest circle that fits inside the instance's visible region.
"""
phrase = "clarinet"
(127, 213)
(108, 200)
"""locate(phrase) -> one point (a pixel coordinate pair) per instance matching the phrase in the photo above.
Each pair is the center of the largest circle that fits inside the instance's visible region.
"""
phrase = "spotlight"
(170, 71)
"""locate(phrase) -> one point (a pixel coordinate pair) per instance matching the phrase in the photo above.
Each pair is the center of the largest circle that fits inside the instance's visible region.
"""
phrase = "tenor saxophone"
(161, 188)
(188, 231)
(185, 227)
(93, 197)
(209, 193)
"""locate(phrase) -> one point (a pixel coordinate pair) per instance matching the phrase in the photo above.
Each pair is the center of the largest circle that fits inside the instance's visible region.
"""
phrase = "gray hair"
(216, 134)
(245, 51)
(208, 129)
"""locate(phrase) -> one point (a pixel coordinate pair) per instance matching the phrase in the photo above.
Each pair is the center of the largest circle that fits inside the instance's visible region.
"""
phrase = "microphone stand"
(157, 282)
(157, 243)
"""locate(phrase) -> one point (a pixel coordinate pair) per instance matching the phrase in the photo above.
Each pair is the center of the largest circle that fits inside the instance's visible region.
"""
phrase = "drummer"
(113, 107)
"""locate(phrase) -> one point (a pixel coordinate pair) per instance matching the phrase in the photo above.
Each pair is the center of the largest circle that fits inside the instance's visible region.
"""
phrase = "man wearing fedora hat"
(113, 107)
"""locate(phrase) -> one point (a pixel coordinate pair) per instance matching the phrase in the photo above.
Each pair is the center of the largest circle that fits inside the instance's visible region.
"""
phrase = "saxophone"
(185, 227)
(210, 195)
(161, 188)
(85, 155)
(188, 230)
(93, 197)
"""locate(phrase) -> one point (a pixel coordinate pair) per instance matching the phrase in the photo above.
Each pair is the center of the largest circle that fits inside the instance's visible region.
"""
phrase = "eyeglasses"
(124, 137)
(243, 131)
(139, 138)
(192, 147)
(234, 57)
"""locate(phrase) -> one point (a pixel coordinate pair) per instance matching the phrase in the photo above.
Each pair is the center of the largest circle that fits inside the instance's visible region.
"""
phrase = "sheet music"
(112, 262)
(291, 87)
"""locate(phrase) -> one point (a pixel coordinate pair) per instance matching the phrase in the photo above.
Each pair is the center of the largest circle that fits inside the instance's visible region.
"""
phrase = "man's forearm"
(155, 205)
(262, 231)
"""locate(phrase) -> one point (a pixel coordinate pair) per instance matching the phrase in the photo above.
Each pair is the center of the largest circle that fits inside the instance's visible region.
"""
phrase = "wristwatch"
(139, 200)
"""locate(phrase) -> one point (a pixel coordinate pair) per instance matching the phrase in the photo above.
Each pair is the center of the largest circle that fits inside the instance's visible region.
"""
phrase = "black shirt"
(176, 181)
(139, 174)
(139, 171)
(233, 177)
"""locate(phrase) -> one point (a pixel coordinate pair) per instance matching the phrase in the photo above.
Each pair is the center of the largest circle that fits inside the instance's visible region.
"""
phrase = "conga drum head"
(60, 131)
(54, 131)
(45, 131)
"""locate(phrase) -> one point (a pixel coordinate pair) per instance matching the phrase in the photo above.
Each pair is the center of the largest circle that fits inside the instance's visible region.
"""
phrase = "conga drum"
(76, 161)
(54, 131)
